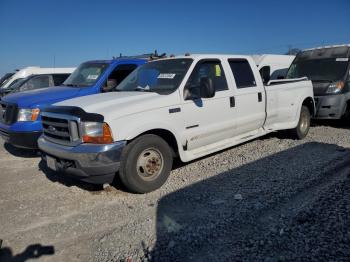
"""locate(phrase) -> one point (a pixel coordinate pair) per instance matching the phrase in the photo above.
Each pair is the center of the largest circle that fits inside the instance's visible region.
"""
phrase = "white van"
(276, 66)
(33, 70)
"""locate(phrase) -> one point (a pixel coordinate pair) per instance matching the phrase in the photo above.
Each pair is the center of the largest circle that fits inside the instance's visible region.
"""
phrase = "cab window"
(209, 69)
(242, 72)
(58, 79)
(117, 76)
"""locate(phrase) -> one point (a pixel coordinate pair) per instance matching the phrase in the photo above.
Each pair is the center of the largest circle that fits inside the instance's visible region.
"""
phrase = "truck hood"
(117, 104)
(41, 97)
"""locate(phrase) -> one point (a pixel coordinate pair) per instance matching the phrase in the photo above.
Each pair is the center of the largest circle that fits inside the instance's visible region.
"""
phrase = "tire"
(145, 164)
(302, 129)
(346, 116)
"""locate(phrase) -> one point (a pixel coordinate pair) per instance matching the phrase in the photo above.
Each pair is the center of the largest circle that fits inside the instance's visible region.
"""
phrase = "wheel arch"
(167, 135)
(309, 102)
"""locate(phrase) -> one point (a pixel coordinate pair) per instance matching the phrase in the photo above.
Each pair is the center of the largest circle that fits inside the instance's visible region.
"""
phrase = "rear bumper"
(26, 140)
(87, 162)
(330, 107)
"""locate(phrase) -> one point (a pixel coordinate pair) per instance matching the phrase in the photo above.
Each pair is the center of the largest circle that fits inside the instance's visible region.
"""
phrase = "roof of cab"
(117, 60)
(328, 46)
(333, 51)
(203, 56)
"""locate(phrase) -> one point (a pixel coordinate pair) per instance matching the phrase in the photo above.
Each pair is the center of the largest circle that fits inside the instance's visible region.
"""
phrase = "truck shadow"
(34, 251)
(265, 210)
(332, 123)
(21, 152)
(63, 179)
(58, 177)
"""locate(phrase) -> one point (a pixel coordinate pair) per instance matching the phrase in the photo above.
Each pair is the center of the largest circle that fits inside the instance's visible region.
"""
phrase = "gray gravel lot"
(272, 199)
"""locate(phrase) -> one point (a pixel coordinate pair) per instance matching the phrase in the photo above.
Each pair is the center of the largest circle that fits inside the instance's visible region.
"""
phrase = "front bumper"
(26, 140)
(87, 162)
(330, 106)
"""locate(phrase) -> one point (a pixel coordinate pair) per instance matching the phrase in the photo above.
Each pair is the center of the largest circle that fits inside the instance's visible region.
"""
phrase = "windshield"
(15, 82)
(162, 76)
(330, 69)
(18, 82)
(5, 78)
(86, 74)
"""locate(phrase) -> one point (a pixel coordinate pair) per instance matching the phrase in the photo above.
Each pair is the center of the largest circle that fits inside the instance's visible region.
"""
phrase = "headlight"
(26, 114)
(96, 133)
(335, 87)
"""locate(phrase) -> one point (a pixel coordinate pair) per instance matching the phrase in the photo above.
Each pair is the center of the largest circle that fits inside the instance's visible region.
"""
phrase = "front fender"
(132, 126)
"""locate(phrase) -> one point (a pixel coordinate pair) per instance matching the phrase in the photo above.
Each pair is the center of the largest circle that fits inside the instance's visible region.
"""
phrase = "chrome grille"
(61, 129)
(8, 113)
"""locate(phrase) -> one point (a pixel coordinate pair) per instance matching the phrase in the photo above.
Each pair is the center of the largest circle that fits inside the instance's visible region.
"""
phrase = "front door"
(207, 120)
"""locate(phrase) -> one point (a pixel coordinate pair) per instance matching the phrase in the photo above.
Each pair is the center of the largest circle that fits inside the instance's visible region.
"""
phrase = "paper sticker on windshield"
(166, 76)
(345, 59)
(92, 77)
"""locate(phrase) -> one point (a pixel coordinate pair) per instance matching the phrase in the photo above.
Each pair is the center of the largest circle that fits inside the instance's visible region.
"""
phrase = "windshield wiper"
(71, 85)
(143, 89)
(322, 80)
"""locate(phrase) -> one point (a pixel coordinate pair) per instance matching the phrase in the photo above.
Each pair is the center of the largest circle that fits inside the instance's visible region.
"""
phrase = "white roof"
(270, 59)
(328, 46)
(206, 56)
(36, 70)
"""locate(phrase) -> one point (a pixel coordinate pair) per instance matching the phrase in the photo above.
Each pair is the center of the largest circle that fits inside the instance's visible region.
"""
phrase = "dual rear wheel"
(303, 127)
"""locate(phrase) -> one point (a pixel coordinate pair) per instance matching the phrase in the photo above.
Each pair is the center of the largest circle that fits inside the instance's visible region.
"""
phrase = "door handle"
(232, 101)
(259, 97)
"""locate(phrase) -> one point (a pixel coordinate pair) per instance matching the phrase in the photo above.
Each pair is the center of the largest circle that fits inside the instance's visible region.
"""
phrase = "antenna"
(54, 61)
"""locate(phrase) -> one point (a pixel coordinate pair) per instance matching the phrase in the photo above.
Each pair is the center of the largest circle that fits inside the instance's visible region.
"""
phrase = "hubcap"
(304, 122)
(150, 164)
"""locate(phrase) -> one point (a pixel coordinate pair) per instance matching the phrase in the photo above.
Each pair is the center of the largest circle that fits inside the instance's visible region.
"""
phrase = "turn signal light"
(35, 114)
(106, 138)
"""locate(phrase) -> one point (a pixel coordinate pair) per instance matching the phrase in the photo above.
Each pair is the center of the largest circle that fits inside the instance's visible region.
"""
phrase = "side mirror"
(110, 85)
(207, 89)
(265, 74)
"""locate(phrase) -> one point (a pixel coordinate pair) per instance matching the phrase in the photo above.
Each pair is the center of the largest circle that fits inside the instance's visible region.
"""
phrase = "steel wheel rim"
(304, 122)
(150, 164)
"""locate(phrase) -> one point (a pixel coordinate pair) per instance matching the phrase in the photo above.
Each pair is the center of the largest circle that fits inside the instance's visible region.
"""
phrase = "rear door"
(207, 120)
(249, 96)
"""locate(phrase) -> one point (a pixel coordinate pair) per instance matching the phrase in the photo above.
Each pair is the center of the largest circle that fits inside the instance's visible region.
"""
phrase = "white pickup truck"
(187, 107)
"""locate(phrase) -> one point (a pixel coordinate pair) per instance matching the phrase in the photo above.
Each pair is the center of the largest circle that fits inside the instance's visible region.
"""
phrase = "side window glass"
(242, 73)
(117, 76)
(58, 79)
(36, 82)
(279, 74)
(207, 69)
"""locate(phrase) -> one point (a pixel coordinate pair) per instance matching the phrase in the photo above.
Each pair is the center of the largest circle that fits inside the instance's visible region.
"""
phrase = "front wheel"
(145, 164)
(302, 129)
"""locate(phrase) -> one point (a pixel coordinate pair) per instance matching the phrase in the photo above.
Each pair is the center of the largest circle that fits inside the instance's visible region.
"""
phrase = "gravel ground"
(272, 199)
